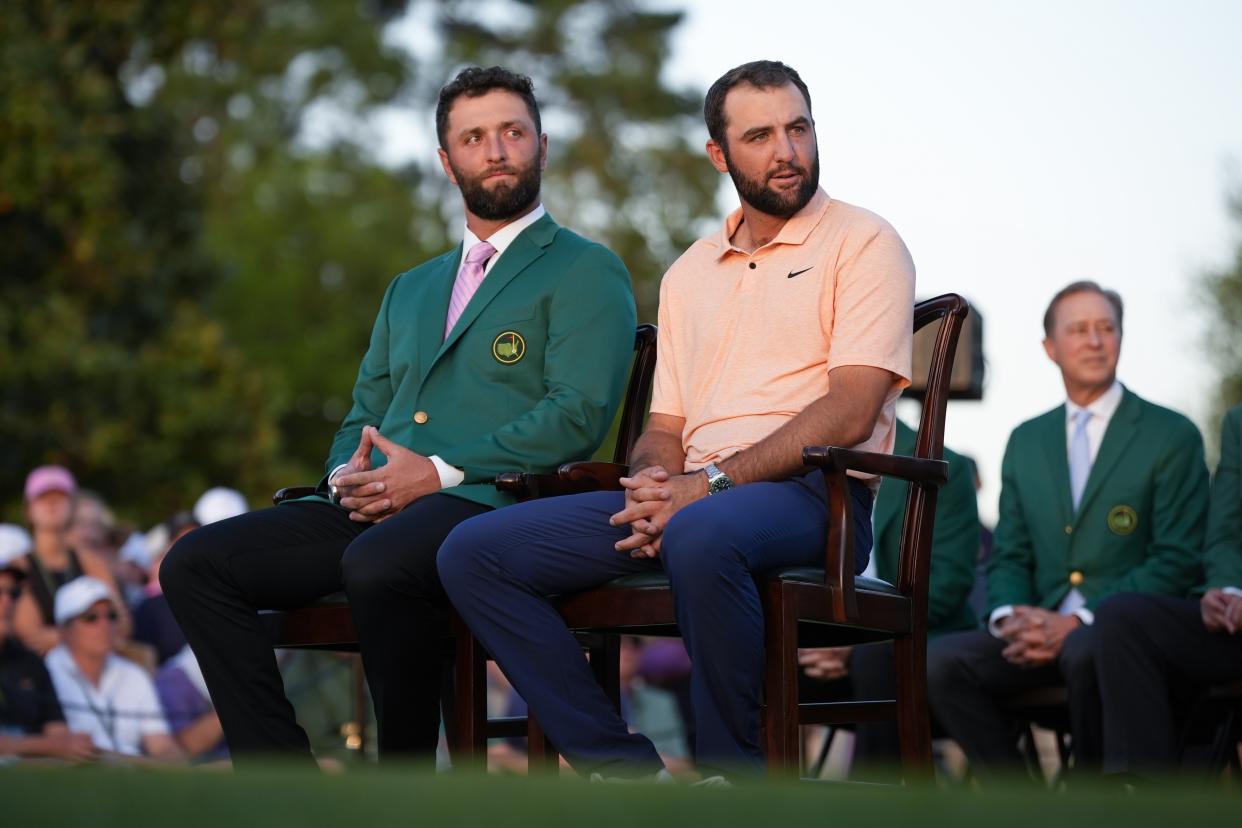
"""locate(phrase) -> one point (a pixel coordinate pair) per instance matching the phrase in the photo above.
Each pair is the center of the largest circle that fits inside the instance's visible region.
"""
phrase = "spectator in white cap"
(219, 503)
(104, 695)
(52, 562)
(31, 721)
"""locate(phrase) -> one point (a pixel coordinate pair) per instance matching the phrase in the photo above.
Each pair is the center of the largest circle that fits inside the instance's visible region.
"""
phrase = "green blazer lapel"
(433, 311)
(526, 248)
(1121, 432)
(1056, 456)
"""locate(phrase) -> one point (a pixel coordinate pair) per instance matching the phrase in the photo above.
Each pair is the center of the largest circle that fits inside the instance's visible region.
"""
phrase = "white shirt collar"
(503, 237)
(1101, 408)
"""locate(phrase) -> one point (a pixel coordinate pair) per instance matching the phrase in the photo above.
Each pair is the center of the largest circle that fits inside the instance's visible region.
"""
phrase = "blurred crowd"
(92, 663)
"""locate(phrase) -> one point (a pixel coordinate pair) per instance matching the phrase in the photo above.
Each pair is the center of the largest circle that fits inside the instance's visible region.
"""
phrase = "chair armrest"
(571, 478)
(594, 476)
(292, 493)
(913, 469)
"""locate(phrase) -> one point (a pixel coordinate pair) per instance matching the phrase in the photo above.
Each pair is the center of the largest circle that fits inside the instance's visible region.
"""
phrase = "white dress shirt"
(118, 712)
(451, 476)
(1102, 410)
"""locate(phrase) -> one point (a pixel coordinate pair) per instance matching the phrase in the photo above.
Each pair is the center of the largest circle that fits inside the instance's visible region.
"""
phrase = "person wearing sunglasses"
(103, 695)
(32, 723)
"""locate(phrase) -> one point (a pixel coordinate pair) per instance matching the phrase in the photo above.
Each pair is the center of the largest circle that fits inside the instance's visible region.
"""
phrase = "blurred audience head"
(15, 544)
(92, 526)
(49, 496)
(87, 615)
(218, 503)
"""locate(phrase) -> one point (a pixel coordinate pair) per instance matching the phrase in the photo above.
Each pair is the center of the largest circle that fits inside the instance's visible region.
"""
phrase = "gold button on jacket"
(420, 417)
(1076, 578)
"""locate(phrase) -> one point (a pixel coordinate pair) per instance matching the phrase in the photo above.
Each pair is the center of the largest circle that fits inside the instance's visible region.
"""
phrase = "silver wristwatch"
(717, 481)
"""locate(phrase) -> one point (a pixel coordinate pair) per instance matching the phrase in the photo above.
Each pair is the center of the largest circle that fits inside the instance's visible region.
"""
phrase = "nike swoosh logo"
(797, 272)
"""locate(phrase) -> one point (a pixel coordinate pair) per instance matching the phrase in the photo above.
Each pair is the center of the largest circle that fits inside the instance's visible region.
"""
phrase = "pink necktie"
(468, 280)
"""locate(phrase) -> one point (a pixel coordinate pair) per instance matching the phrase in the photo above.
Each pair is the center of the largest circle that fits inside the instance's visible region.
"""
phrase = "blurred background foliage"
(190, 260)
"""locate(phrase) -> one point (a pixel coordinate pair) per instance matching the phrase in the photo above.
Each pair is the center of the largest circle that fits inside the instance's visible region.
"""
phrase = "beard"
(781, 204)
(504, 201)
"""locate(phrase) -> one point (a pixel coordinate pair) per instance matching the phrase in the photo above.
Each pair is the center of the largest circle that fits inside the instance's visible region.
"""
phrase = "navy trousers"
(499, 570)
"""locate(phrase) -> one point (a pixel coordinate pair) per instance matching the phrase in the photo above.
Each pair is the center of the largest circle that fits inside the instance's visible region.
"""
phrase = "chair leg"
(541, 757)
(605, 657)
(913, 719)
(470, 698)
(780, 711)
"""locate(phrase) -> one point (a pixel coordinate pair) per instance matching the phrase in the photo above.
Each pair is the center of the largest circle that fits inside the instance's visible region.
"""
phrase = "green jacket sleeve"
(1222, 556)
(372, 390)
(955, 545)
(590, 337)
(1011, 571)
(1179, 517)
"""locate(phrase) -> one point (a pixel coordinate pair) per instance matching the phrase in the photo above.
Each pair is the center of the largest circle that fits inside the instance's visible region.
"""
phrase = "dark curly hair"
(473, 82)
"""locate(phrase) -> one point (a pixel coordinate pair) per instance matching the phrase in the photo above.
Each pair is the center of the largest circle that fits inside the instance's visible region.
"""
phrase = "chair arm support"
(571, 478)
(292, 493)
(912, 469)
(595, 476)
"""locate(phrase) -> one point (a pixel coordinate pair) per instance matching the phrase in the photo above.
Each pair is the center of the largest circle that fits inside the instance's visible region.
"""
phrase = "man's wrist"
(998, 615)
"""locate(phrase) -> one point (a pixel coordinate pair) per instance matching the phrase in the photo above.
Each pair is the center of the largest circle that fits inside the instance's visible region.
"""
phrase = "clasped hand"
(1034, 636)
(652, 497)
(374, 495)
(1221, 611)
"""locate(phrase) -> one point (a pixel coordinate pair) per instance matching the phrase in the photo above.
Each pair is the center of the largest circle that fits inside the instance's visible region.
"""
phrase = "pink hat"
(46, 479)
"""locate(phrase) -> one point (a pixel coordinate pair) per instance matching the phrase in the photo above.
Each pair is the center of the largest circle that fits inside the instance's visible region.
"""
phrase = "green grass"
(373, 797)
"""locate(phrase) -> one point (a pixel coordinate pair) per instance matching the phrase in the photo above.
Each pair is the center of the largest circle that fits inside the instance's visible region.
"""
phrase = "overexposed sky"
(1016, 147)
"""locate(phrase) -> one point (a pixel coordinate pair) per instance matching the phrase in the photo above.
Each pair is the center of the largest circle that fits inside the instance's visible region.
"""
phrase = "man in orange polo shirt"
(790, 327)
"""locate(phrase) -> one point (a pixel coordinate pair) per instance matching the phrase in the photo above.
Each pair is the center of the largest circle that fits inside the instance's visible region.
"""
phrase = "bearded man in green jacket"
(508, 352)
(1104, 494)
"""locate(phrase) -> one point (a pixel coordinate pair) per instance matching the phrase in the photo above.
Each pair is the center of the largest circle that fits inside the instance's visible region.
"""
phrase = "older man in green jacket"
(1105, 494)
(508, 352)
(1161, 648)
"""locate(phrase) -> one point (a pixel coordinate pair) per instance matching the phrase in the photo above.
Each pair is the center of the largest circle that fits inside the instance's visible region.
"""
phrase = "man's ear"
(1050, 349)
(716, 153)
(543, 151)
(444, 162)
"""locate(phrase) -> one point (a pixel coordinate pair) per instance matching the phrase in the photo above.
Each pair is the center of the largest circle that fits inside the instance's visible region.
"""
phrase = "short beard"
(768, 201)
(506, 201)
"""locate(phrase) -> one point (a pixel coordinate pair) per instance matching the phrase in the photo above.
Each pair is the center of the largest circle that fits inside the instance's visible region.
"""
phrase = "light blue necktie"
(1079, 456)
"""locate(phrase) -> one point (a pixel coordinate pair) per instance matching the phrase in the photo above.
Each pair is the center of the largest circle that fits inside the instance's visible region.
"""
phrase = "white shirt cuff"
(450, 476)
(1086, 616)
(1232, 591)
(333, 473)
(998, 615)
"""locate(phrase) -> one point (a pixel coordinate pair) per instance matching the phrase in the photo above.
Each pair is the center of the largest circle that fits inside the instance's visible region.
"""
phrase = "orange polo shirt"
(747, 340)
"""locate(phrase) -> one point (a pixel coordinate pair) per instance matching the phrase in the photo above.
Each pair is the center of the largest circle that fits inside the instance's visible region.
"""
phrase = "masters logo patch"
(1122, 520)
(509, 347)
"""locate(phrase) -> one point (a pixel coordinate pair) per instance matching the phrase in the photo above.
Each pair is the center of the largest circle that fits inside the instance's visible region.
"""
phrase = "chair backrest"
(637, 392)
(914, 558)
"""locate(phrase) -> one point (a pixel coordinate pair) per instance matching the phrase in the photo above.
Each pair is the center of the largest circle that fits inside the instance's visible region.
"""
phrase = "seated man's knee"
(188, 560)
(456, 559)
(1119, 613)
(1077, 657)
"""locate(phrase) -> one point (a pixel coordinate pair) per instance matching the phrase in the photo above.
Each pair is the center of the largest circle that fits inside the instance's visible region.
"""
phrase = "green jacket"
(1222, 553)
(1139, 527)
(955, 541)
(530, 376)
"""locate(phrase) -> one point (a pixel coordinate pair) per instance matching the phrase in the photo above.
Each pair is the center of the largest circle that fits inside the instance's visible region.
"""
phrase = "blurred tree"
(1222, 293)
(110, 151)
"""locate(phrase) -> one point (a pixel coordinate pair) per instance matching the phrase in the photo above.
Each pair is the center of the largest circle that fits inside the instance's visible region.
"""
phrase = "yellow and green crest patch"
(509, 347)
(1122, 520)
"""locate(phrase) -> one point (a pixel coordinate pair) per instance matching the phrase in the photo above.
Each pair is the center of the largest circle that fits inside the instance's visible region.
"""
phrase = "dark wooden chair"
(817, 606)
(327, 623)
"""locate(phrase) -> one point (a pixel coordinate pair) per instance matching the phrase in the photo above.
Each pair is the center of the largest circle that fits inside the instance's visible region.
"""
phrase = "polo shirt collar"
(795, 230)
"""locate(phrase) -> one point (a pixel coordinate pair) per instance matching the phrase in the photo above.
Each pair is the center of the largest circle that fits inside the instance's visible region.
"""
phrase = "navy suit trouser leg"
(500, 568)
